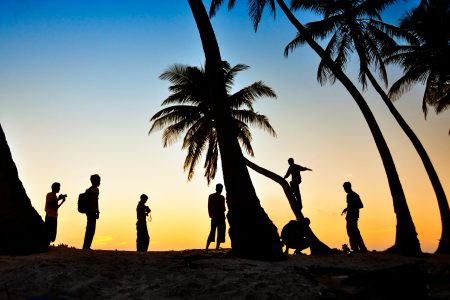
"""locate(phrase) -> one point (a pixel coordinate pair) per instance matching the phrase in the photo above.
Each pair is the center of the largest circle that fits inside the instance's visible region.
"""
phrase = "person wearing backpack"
(354, 204)
(92, 211)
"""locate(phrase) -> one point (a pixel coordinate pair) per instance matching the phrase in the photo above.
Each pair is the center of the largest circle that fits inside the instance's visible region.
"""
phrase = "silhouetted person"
(294, 235)
(354, 204)
(142, 211)
(216, 210)
(297, 234)
(51, 210)
(92, 212)
(294, 171)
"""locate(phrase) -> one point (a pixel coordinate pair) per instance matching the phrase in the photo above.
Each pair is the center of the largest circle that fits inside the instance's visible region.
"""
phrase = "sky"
(79, 84)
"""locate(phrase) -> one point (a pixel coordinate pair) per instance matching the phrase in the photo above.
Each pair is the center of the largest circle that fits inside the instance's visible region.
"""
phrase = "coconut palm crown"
(191, 113)
(354, 26)
(427, 60)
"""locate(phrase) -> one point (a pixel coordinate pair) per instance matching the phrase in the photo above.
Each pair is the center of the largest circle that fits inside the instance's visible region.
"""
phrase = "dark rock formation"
(22, 230)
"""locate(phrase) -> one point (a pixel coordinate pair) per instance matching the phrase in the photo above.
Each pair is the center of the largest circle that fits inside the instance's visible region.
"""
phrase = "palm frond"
(253, 118)
(295, 43)
(372, 8)
(230, 74)
(249, 94)
(214, 7)
(245, 137)
(212, 156)
(172, 115)
(406, 82)
(319, 7)
(256, 9)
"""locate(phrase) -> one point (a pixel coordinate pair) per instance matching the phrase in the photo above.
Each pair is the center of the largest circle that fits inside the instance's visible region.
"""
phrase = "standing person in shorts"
(216, 210)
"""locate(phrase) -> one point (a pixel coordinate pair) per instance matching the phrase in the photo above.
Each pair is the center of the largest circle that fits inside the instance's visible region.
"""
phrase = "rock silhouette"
(22, 230)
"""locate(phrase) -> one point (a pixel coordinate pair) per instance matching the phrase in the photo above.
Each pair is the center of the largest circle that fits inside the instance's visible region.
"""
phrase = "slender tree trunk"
(406, 241)
(444, 243)
(22, 230)
(251, 231)
(296, 209)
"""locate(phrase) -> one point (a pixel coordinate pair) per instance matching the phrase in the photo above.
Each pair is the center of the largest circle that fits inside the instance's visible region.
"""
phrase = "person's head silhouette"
(291, 161)
(347, 186)
(144, 198)
(219, 188)
(95, 180)
(55, 187)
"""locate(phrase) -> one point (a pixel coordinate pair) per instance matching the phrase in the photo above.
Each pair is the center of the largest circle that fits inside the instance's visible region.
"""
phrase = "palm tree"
(427, 59)
(356, 26)
(406, 241)
(192, 117)
(192, 114)
(252, 233)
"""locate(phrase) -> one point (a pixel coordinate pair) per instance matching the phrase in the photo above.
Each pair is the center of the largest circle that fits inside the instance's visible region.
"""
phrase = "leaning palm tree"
(406, 241)
(190, 114)
(356, 26)
(427, 59)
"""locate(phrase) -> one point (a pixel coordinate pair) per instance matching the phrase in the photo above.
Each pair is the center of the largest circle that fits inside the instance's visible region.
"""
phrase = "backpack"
(83, 202)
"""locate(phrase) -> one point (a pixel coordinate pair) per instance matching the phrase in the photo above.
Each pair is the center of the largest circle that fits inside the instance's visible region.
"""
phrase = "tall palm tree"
(252, 233)
(427, 60)
(190, 114)
(356, 26)
(406, 241)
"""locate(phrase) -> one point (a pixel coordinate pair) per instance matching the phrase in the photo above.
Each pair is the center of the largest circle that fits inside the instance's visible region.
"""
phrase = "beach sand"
(67, 273)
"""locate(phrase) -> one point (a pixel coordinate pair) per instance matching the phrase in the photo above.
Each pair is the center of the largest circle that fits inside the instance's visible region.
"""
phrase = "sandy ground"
(65, 273)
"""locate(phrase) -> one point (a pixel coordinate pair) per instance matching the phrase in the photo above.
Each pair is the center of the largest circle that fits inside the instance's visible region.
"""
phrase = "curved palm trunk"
(444, 243)
(251, 231)
(22, 230)
(406, 241)
(296, 209)
(316, 245)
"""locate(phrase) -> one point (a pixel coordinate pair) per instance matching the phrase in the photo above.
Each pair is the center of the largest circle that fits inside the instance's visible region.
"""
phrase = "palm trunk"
(406, 241)
(296, 209)
(22, 230)
(251, 231)
(444, 243)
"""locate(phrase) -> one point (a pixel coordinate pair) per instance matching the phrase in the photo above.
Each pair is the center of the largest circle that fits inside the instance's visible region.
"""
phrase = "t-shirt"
(93, 193)
(294, 170)
(216, 206)
(140, 211)
(353, 205)
(51, 205)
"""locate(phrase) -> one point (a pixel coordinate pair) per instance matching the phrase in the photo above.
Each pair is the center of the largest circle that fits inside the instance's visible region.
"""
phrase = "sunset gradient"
(79, 83)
